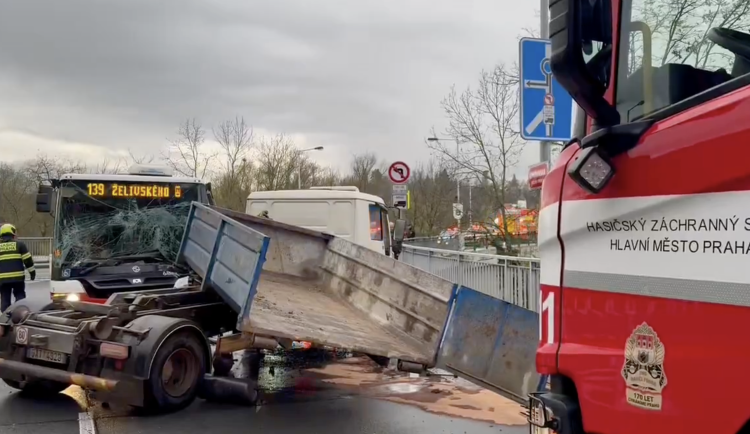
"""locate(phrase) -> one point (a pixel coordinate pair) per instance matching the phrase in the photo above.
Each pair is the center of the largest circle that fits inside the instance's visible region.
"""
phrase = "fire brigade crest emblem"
(643, 370)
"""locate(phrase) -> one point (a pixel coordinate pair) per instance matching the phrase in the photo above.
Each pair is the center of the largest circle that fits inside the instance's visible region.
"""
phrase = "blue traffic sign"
(546, 107)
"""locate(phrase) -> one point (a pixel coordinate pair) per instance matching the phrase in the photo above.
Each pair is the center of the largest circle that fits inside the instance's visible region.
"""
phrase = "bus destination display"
(134, 191)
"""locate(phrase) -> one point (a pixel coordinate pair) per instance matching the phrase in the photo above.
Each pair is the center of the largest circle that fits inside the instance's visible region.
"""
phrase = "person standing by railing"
(14, 257)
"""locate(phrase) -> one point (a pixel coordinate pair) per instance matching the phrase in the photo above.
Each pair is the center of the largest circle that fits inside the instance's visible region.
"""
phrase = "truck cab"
(644, 223)
(343, 211)
(117, 232)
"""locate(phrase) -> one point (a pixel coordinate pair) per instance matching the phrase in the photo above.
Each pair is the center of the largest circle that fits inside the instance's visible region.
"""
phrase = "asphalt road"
(318, 407)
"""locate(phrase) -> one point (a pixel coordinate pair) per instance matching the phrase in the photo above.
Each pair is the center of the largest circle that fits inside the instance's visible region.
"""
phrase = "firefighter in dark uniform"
(14, 257)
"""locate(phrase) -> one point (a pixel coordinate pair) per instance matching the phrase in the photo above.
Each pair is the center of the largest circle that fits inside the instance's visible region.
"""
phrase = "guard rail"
(41, 250)
(508, 278)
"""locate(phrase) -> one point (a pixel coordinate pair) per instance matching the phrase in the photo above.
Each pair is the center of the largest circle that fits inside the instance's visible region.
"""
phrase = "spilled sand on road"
(438, 395)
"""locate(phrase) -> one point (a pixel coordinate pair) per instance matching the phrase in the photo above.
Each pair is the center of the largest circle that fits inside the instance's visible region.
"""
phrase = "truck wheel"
(176, 372)
(37, 388)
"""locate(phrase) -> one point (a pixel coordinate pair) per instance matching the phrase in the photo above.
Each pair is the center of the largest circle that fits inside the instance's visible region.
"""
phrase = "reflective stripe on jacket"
(14, 258)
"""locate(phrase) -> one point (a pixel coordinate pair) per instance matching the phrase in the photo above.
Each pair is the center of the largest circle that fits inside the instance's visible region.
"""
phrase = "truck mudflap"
(492, 343)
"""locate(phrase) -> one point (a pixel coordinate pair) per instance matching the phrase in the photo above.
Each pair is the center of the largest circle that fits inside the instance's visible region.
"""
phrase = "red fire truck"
(644, 229)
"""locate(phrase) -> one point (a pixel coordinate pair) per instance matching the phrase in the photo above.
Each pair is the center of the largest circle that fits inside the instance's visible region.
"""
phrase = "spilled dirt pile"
(440, 395)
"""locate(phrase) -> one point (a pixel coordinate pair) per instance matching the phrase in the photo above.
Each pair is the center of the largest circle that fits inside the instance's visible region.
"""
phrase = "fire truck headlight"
(72, 297)
(591, 170)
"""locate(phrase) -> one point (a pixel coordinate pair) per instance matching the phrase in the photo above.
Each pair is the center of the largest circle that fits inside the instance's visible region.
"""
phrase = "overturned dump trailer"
(317, 288)
(268, 282)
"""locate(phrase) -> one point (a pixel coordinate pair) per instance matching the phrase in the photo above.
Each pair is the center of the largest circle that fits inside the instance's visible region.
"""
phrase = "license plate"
(46, 355)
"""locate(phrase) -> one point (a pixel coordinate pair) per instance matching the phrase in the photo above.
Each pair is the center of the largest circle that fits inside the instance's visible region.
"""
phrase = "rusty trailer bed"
(296, 308)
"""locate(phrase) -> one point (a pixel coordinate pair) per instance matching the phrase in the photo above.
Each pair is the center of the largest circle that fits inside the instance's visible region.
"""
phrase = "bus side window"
(376, 223)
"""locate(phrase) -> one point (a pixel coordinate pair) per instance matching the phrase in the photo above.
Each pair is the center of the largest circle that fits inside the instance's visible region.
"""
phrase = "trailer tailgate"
(227, 255)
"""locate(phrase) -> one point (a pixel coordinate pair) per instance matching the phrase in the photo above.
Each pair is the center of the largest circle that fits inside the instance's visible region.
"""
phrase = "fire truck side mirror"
(576, 27)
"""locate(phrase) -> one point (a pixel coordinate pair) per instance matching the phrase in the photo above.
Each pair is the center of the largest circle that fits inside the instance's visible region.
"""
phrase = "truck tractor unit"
(253, 284)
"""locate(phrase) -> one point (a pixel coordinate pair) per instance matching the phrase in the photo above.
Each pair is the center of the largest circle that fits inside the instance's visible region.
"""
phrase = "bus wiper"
(88, 270)
(144, 255)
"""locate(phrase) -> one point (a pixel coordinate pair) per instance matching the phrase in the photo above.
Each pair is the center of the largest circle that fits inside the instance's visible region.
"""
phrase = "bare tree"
(231, 189)
(432, 190)
(140, 159)
(16, 190)
(107, 165)
(234, 183)
(679, 31)
(236, 140)
(362, 167)
(325, 176)
(45, 168)
(188, 154)
(484, 121)
(277, 163)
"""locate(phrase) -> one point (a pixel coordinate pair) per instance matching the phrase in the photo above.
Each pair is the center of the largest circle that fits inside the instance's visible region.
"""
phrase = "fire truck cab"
(644, 229)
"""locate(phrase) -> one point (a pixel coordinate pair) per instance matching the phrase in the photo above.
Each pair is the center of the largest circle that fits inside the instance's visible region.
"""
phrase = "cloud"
(23, 146)
(97, 78)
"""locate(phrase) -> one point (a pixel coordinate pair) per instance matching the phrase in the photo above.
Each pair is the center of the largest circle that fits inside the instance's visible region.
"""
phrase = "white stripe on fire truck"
(687, 247)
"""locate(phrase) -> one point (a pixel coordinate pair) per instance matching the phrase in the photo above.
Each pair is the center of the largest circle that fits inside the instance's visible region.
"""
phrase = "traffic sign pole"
(544, 147)
(399, 173)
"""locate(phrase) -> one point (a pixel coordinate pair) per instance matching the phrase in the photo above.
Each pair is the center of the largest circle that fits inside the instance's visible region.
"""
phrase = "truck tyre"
(37, 388)
(176, 373)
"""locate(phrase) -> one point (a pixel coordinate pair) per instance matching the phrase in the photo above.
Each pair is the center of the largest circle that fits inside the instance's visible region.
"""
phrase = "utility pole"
(471, 222)
(458, 187)
(299, 166)
(458, 200)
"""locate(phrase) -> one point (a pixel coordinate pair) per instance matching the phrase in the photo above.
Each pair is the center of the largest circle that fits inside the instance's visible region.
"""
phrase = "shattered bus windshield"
(99, 220)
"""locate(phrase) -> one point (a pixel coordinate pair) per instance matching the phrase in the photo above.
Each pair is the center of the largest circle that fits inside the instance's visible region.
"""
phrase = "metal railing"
(475, 243)
(509, 278)
(445, 243)
(40, 248)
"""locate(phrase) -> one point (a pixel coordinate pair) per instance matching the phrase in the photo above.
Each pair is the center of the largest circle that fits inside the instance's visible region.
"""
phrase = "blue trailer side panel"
(227, 255)
(492, 343)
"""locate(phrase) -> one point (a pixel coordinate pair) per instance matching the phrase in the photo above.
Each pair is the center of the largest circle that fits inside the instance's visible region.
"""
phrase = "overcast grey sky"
(90, 78)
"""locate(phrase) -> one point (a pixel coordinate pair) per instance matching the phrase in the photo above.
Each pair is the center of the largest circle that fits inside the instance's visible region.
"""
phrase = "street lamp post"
(299, 169)
(458, 186)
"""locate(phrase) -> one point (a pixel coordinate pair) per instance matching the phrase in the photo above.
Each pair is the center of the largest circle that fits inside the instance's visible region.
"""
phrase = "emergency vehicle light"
(591, 170)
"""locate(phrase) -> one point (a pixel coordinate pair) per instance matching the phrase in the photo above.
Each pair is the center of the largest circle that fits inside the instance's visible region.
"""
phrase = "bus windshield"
(98, 220)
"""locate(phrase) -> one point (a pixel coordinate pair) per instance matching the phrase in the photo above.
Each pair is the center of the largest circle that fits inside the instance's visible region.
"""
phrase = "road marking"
(86, 423)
